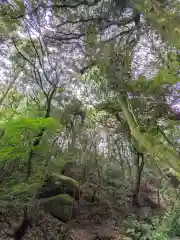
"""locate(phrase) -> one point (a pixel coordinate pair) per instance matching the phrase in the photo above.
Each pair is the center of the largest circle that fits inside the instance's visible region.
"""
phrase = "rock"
(61, 206)
(59, 184)
(50, 189)
(70, 185)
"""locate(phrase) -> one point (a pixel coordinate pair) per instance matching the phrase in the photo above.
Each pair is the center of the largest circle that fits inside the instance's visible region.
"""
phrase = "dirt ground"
(102, 219)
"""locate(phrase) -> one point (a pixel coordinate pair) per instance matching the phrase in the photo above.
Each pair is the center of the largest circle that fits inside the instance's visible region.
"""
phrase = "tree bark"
(152, 144)
(139, 167)
(39, 136)
(21, 230)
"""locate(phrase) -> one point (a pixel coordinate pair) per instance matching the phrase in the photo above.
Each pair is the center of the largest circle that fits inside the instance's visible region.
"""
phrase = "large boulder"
(50, 188)
(70, 185)
(62, 206)
(60, 184)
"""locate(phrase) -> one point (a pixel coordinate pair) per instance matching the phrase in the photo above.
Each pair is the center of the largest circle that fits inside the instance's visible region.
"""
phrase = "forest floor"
(102, 219)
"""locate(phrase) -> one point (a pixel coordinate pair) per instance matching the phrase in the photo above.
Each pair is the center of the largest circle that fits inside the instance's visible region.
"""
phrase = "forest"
(89, 119)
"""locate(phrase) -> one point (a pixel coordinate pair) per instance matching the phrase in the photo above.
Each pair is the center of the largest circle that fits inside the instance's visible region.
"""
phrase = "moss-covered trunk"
(152, 144)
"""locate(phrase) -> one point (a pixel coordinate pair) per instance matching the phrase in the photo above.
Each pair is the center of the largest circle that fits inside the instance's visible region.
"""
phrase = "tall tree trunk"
(139, 169)
(38, 137)
(152, 144)
(31, 153)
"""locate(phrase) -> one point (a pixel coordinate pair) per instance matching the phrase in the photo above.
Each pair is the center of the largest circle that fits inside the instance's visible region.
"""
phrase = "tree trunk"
(21, 230)
(139, 167)
(153, 145)
(38, 137)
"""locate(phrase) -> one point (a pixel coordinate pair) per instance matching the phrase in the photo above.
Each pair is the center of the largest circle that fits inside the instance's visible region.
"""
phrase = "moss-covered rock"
(50, 188)
(70, 186)
(61, 206)
(60, 184)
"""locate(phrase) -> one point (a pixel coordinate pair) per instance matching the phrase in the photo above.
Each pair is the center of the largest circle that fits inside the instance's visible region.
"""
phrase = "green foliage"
(162, 78)
(91, 37)
(27, 48)
(174, 226)
(144, 231)
(137, 230)
(110, 106)
(114, 177)
(131, 108)
(19, 136)
(163, 228)
(91, 75)
(7, 25)
(163, 20)
(57, 165)
(9, 21)
(74, 109)
(15, 147)
(159, 236)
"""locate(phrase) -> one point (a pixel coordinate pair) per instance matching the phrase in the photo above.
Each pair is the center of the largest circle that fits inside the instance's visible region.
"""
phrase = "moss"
(70, 185)
(59, 184)
(65, 179)
(61, 198)
(61, 206)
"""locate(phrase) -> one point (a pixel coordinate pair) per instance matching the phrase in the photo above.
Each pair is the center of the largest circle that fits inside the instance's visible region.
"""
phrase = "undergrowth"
(162, 228)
